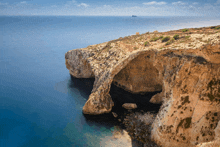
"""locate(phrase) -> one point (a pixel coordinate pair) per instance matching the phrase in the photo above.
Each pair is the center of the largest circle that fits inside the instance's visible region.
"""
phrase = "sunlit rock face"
(76, 63)
(140, 75)
(191, 104)
(129, 106)
(188, 78)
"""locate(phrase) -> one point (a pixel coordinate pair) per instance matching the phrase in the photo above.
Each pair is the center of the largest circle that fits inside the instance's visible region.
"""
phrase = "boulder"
(114, 114)
(129, 106)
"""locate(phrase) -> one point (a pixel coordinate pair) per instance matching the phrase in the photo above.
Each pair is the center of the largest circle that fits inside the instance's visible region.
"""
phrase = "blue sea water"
(40, 106)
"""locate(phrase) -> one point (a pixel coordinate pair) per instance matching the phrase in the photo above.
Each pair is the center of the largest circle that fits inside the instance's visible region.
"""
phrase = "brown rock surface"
(187, 71)
(114, 114)
(129, 106)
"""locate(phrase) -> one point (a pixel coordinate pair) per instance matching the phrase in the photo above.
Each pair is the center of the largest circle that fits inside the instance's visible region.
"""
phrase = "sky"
(111, 7)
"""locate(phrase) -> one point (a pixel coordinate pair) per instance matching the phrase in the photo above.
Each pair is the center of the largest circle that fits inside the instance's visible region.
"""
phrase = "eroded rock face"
(140, 75)
(191, 108)
(215, 142)
(189, 80)
(77, 64)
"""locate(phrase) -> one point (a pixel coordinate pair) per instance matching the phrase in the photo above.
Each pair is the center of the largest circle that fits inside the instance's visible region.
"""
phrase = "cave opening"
(136, 83)
(121, 96)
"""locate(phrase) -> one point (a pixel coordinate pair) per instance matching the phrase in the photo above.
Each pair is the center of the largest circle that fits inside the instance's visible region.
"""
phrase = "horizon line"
(115, 15)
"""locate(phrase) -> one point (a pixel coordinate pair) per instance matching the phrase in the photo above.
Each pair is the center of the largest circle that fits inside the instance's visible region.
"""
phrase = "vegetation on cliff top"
(165, 39)
(156, 38)
(185, 30)
(176, 37)
(191, 38)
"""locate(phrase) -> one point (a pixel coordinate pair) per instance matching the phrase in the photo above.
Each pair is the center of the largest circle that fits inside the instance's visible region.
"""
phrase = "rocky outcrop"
(129, 106)
(191, 101)
(188, 78)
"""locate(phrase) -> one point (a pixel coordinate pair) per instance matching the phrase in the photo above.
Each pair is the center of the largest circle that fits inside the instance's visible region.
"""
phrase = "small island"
(133, 16)
(182, 67)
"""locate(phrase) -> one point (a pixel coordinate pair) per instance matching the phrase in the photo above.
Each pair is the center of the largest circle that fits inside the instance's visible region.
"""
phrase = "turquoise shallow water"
(39, 104)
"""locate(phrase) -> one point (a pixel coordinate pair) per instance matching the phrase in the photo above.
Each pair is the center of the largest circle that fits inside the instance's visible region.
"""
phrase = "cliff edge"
(183, 64)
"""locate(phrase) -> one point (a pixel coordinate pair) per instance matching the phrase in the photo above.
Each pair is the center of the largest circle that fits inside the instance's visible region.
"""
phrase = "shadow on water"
(84, 86)
(119, 96)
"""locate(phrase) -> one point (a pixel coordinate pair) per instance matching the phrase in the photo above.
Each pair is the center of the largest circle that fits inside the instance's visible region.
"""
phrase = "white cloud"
(23, 5)
(54, 6)
(83, 5)
(75, 3)
(70, 3)
(106, 5)
(178, 3)
(195, 3)
(218, 2)
(23, 2)
(3, 4)
(155, 3)
(149, 8)
(209, 7)
(191, 7)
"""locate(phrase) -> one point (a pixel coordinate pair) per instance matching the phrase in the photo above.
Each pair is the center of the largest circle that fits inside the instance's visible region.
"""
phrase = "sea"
(40, 104)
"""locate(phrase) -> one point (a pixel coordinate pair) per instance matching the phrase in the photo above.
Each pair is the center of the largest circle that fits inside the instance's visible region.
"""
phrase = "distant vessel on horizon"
(133, 16)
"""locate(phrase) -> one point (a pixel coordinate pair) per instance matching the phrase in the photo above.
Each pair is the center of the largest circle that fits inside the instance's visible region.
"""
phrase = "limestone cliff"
(186, 69)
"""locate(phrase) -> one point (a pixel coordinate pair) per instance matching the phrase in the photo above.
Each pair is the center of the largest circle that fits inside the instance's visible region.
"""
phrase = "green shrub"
(217, 28)
(176, 37)
(156, 38)
(160, 37)
(169, 42)
(187, 37)
(165, 39)
(185, 30)
(146, 43)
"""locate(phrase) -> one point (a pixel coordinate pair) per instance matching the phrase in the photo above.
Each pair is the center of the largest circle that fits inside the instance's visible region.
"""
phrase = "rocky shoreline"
(180, 68)
(138, 120)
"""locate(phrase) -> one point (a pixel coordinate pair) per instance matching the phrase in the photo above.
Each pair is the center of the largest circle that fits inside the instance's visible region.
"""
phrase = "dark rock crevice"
(121, 96)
